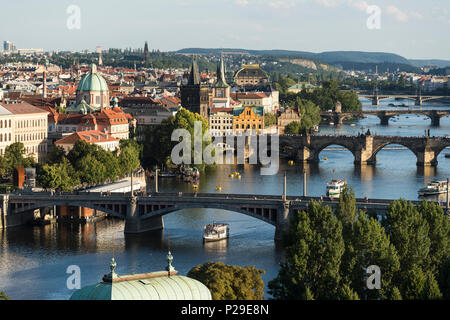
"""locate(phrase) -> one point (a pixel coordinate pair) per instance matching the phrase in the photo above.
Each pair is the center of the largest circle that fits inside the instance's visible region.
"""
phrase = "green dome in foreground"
(93, 82)
(161, 285)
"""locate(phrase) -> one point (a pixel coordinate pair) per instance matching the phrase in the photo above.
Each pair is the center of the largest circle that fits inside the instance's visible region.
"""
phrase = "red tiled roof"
(93, 136)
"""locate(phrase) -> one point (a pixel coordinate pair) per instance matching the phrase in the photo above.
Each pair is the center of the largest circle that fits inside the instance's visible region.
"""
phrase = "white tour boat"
(434, 187)
(335, 187)
(216, 232)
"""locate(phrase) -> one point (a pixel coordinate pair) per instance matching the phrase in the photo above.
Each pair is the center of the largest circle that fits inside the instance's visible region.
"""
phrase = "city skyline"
(414, 30)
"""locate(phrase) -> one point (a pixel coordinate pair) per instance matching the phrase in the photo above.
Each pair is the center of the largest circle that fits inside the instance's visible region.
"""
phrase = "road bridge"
(145, 213)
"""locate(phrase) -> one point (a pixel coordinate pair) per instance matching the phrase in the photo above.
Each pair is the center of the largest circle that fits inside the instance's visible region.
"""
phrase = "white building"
(22, 122)
(221, 122)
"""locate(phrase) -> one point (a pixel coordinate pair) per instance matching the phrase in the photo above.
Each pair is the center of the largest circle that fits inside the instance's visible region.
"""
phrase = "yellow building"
(248, 118)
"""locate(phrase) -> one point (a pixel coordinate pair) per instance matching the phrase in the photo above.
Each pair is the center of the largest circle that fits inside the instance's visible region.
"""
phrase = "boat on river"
(434, 187)
(216, 232)
(335, 187)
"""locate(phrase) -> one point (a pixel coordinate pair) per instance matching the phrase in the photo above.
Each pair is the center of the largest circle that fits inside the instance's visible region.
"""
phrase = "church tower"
(195, 94)
(146, 52)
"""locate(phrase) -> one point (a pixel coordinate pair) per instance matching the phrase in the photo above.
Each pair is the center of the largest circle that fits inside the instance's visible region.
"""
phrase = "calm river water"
(34, 260)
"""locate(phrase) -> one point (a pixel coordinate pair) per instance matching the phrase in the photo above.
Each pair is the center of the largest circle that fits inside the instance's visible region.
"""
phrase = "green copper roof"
(257, 110)
(161, 285)
(174, 287)
(83, 107)
(92, 81)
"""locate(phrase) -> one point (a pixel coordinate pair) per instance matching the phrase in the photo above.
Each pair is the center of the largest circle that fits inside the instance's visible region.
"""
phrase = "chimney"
(44, 90)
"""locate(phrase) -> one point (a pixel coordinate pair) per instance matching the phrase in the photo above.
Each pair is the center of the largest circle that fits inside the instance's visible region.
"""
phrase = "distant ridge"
(331, 57)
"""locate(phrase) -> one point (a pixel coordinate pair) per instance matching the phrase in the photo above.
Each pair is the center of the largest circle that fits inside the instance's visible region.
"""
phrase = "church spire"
(221, 82)
(194, 75)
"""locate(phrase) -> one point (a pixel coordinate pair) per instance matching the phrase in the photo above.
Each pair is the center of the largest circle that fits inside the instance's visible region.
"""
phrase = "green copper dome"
(160, 285)
(153, 288)
(92, 81)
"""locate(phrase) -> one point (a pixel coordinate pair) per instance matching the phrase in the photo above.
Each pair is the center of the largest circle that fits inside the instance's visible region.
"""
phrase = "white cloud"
(360, 5)
(397, 13)
(241, 3)
(281, 4)
(416, 15)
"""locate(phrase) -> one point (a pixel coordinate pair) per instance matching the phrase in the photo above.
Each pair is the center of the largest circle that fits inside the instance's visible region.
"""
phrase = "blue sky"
(412, 28)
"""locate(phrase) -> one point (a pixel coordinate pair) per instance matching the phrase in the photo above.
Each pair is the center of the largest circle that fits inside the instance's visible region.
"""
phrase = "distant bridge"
(384, 115)
(418, 99)
(145, 213)
(364, 147)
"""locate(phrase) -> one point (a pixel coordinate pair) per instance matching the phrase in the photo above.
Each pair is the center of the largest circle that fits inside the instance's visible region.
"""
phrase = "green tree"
(444, 279)
(439, 234)
(408, 231)
(419, 285)
(129, 159)
(56, 155)
(15, 156)
(59, 176)
(292, 127)
(366, 243)
(270, 119)
(309, 114)
(3, 296)
(314, 248)
(158, 144)
(228, 282)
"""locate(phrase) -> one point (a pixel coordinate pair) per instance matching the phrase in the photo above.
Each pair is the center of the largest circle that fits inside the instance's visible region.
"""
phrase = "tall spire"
(194, 76)
(221, 82)
(146, 52)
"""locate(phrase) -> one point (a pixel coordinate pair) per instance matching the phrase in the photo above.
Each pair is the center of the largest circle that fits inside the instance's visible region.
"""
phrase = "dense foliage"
(326, 97)
(3, 296)
(309, 115)
(88, 164)
(158, 144)
(327, 253)
(14, 157)
(228, 282)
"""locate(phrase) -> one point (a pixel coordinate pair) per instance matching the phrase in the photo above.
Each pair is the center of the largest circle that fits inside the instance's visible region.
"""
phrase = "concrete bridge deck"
(145, 213)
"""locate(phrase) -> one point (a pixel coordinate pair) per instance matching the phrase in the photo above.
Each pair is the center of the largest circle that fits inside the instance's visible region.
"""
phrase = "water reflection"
(216, 247)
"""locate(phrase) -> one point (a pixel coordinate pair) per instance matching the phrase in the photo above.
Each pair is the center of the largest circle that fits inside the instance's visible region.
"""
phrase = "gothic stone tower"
(195, 94)
(146, 52)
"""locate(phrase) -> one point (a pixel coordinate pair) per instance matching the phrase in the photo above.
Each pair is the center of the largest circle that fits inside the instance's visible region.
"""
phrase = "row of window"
(222, 121)
(30, 137)
(5, 124)
(31, 123)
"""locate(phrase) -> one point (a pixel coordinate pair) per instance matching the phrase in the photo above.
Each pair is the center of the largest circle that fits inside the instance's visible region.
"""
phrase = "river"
(34, 260)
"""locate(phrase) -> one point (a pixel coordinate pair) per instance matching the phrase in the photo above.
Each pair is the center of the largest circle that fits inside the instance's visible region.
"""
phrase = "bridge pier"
(435, 119)
(375, 101)
(283, 220)
(3, 210)
(426, 158)
(418, 101)
(133, 224)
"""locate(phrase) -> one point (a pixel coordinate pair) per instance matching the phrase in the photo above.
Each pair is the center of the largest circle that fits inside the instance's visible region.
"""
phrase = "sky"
(415, 29)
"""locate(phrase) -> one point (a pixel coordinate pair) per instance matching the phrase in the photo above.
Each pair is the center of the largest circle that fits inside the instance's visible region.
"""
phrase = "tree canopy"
(227, 282)
(410, 246)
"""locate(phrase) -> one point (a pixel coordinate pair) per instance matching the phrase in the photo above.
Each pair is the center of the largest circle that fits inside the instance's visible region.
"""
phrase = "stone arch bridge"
(364, 147)
(384, 115)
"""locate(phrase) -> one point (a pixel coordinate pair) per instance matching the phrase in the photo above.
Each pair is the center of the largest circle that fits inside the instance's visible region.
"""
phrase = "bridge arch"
(318, 149)
(88, 205)
(377, 149)
(270, 218)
